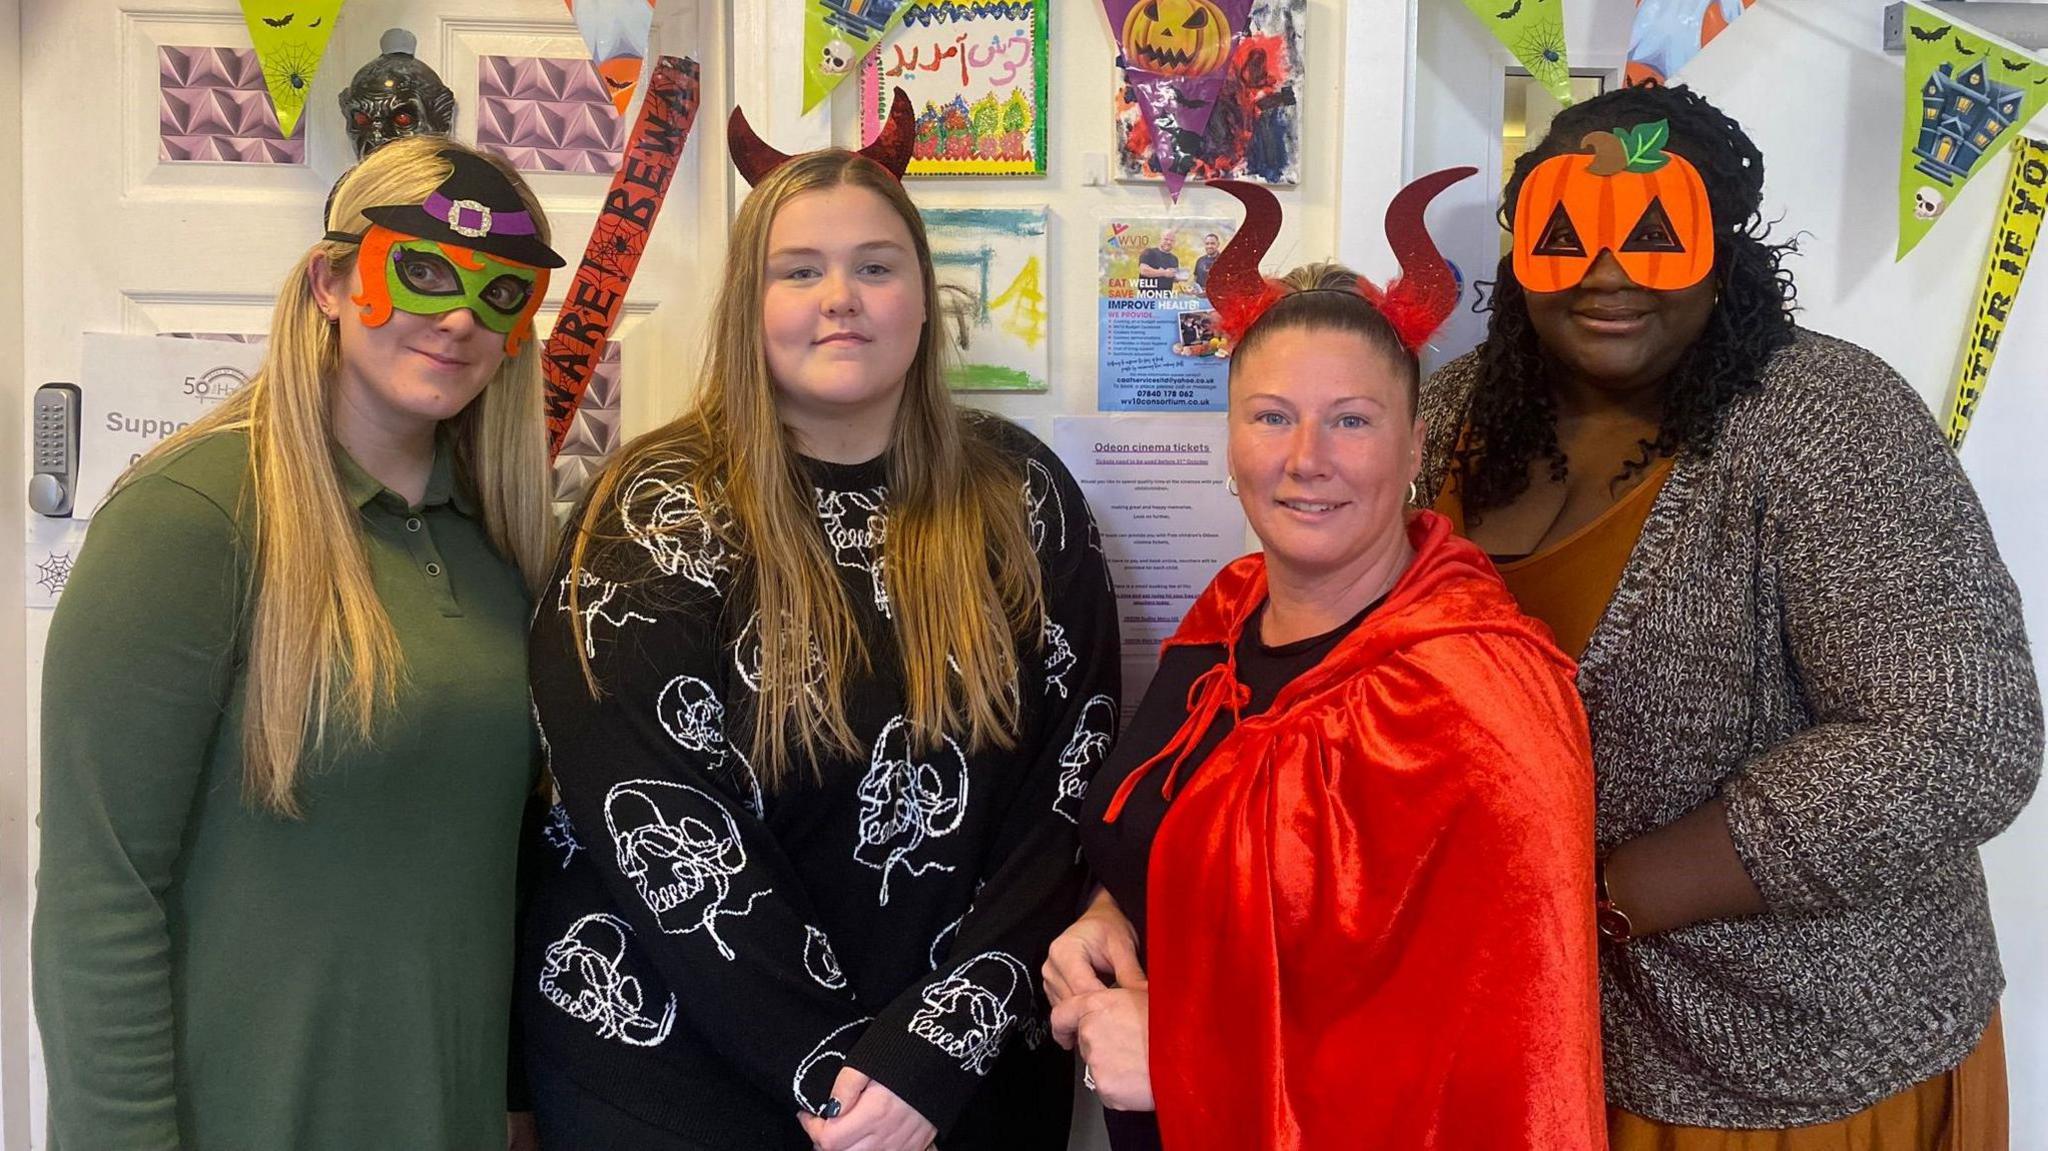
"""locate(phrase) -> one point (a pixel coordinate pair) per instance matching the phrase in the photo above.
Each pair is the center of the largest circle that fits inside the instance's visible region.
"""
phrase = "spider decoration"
(1542, 51)
(289, 72)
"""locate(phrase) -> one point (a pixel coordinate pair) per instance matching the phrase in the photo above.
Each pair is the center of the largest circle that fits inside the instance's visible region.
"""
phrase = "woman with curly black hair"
(1802, 660)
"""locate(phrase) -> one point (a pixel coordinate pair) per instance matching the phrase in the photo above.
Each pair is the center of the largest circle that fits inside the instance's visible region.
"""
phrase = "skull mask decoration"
(968, 1014)
(395, 95)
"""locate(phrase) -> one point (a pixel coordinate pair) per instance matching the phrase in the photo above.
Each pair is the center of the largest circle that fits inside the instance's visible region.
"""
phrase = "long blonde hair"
(322, 652)
(963, 580)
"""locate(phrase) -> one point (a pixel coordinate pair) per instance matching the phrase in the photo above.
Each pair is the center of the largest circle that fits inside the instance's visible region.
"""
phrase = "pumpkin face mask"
(1628, 196)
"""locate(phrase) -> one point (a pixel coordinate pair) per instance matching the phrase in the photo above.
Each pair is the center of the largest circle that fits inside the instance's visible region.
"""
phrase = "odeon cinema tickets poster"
(1159, 344)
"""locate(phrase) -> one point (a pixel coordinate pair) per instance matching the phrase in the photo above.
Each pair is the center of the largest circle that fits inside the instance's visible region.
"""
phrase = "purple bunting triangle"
(1179, 37)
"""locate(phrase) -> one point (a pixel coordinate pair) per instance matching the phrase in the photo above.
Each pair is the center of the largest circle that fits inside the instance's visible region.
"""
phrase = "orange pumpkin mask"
(1627, 196)
(1176, 37)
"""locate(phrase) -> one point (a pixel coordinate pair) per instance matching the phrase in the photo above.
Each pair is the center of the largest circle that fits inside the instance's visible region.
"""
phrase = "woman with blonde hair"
(285, 731)
(827, 667)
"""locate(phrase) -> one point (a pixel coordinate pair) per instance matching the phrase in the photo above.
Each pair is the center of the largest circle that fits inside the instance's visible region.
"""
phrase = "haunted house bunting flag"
(838, 35)
(1967, 96)
(1176, 55)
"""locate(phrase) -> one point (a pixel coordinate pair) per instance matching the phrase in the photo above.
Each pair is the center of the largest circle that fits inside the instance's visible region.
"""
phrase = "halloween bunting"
(1174, 54)
(1667, 34)
(290, 36)
(1534, 31)
(1967, 94)
(617, 32)
(838, 34)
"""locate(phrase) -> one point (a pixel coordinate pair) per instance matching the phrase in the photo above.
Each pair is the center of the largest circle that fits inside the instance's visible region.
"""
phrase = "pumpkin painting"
(1625, 195)
(1176, 37)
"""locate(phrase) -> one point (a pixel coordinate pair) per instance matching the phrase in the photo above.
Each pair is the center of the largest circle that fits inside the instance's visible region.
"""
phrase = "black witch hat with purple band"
(477, 208)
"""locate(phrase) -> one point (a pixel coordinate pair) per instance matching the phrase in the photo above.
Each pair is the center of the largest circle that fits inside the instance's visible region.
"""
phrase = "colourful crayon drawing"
(1255, 131)
(992, 283)
(976, 72)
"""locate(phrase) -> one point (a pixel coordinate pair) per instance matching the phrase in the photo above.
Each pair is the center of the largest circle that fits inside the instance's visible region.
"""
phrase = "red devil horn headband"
(755, 159)
(1416, 303)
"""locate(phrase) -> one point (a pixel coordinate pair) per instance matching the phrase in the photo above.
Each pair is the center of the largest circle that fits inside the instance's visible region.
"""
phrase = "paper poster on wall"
(1533, 30)
(1967, 94)
(616, 32)
(991, 264)
(976, 73)
(1667, 34)
(838, 34)
(290, 37)
(2005, 265)
(1168, 521)
(1255, 131)
(134, 391)
(1159, 343)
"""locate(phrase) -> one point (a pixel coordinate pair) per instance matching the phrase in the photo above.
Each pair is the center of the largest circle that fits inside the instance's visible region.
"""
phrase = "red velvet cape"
(1372, 909)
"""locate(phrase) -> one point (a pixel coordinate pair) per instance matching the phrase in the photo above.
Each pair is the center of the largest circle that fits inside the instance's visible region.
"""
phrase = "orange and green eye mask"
(1626, 195)
(432, 277)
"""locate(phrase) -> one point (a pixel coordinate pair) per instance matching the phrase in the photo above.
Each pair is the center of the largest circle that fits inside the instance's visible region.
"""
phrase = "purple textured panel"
(212, 107)
(594, 435)
(547, 115)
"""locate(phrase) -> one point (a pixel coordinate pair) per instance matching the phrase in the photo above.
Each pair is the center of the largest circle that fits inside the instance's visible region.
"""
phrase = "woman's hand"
(1098, 951)
(871, 1118)
(1111, 1027)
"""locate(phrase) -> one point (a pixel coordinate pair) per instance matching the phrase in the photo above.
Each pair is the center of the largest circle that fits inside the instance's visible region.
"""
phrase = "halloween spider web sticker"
(290, 36)
(52, 551)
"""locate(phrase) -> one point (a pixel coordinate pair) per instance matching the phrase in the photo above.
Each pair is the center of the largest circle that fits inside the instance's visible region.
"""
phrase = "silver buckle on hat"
(457, 208)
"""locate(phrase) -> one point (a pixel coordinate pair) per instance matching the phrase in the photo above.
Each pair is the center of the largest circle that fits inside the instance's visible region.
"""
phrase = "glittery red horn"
(1419, 301)
(892, 148)
(1236, 289)
(750, 155)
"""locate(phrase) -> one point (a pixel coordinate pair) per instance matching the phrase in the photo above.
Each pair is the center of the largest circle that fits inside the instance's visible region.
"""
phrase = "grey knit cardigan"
(1816, 627)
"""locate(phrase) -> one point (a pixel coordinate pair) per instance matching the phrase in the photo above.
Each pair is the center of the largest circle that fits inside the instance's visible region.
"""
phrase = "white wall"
(15, 863)
(1809, 81)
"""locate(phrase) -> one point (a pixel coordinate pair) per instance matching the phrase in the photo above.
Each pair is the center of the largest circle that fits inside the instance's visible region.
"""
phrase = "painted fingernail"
(830, 1110)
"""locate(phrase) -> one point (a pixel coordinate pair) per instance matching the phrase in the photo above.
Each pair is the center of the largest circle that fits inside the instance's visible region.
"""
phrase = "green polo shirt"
(213, 978)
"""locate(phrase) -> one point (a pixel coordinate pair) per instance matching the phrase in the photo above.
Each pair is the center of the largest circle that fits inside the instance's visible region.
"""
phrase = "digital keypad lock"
(53, 434)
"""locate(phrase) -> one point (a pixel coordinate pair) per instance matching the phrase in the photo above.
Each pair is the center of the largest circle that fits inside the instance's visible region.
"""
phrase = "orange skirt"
(1959, 1110)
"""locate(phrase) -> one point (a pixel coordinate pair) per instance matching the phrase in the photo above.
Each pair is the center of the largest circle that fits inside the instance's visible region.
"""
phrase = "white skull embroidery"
(560, 834)
(812, 1096)
(819, 961)
(693, 715)
(856, 525)
(593, 605)
(1927, 203)
(582, 973)
(682, 850)
(669, 523)
(906, 803)
(968, 1014)
(1059, 656)
(1084, 752)
(1044, 507)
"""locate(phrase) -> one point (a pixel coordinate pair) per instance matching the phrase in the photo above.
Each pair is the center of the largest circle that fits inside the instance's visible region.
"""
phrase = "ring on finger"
(1088, 1077)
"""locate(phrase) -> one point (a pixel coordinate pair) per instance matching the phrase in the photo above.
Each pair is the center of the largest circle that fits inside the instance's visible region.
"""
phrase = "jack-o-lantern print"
(1625, 195)
(1176, 37)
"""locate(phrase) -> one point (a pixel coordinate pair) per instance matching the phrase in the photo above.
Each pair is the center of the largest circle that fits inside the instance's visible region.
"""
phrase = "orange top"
(1568, 584)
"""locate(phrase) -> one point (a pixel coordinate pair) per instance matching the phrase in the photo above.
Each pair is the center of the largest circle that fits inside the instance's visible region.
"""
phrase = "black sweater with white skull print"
(705, 957)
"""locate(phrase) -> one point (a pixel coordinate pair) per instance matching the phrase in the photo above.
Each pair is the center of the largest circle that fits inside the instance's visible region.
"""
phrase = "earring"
(1230, 481)
(1414, 495)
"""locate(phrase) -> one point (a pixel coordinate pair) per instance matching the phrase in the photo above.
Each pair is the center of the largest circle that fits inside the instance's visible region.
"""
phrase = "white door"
(160, 199)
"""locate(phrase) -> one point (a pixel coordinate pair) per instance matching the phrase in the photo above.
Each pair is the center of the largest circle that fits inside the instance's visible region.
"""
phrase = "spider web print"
(54, 572)
(289, 71)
